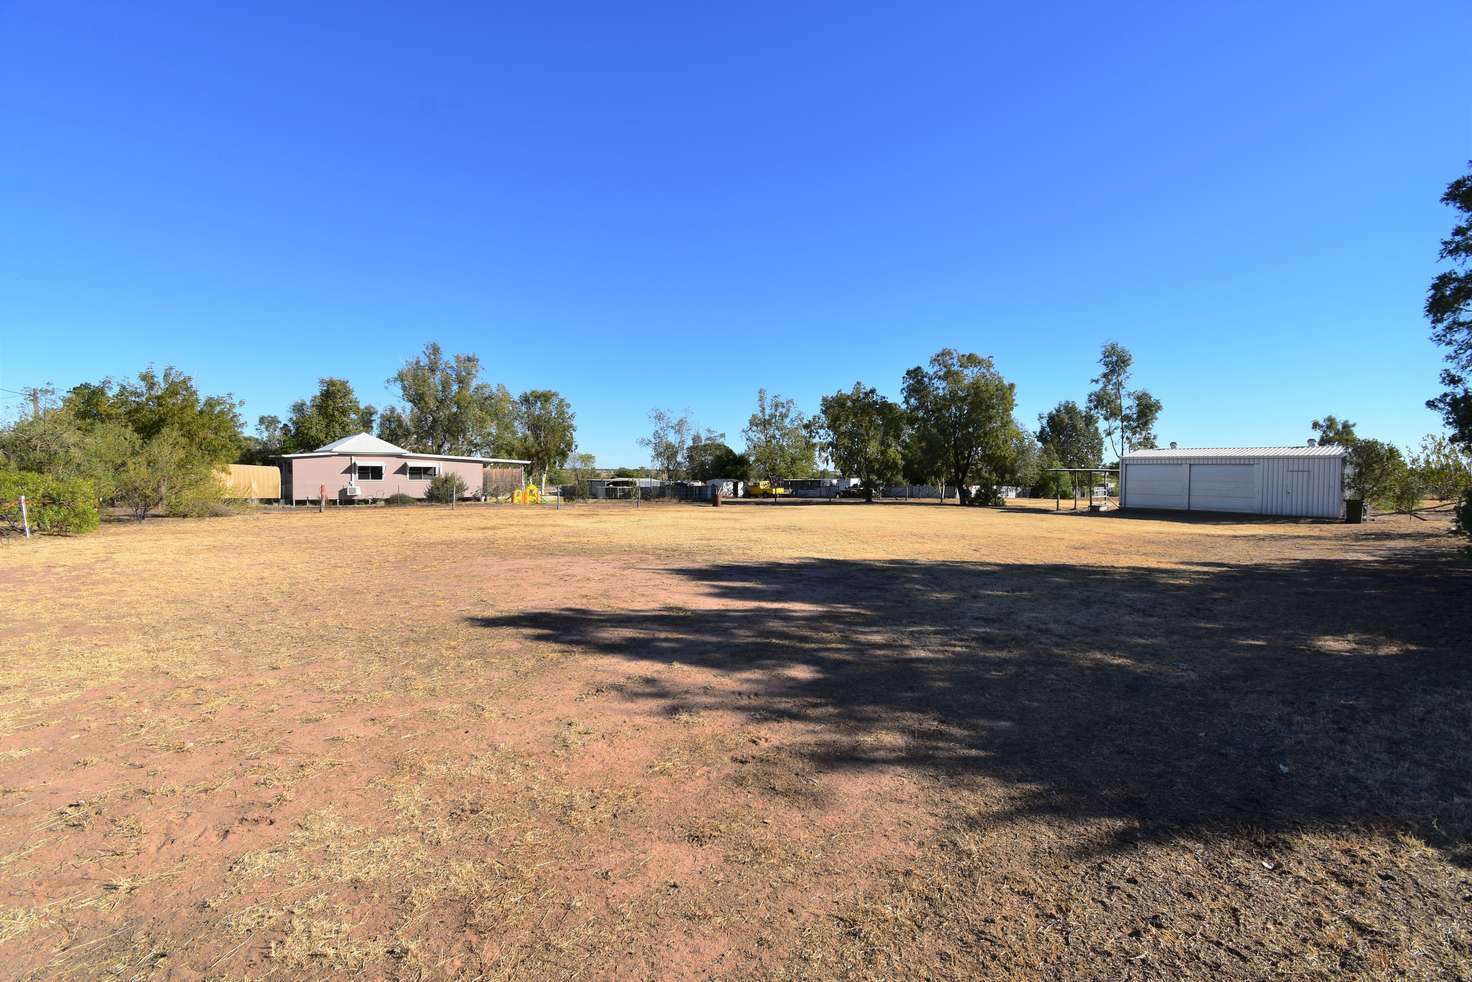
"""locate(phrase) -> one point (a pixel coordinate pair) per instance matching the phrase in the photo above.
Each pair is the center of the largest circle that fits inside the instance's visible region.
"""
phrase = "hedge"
(58, 507)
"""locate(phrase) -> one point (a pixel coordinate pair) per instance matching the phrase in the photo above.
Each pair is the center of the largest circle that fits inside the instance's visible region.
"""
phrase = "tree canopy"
(448, 409)
(960, 414)
(1372, 468)
(860, 431)
(1070, 434)
(148, 442)
(777, 442)
(548, 429)
(1332, 431)
(1128, 415)
(1449, 309)
(209, 426)
(331, 414)
(668, 442)
(708, 459)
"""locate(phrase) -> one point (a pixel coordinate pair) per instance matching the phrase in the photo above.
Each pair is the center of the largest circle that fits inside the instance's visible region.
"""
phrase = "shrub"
(202, 506)
(1405, 489)
(446, 487)
(401, 498)
(58, 507)
(1371, 470)
(167, 475)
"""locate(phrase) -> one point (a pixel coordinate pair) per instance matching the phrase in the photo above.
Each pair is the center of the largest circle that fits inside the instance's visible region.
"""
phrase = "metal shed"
(1306, 481)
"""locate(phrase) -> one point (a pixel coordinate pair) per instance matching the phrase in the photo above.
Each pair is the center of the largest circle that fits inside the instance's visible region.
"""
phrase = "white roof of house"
(362, 443)
(1187, 453)
(369, 445)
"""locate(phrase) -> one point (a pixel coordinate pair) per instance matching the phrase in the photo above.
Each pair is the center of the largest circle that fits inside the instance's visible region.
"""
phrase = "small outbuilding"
(1305, 481)
(364, 468)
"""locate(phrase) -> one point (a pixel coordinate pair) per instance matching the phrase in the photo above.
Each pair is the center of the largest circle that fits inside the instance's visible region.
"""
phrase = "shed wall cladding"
(1303, 486)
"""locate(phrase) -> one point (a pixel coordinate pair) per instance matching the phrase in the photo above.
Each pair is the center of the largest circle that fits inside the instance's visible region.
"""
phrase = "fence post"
(321, 498)
(25, 521)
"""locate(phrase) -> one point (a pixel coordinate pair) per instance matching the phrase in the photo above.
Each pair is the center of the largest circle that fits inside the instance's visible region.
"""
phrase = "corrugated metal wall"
(251, 481)
(1322, 494)
(1324, 497)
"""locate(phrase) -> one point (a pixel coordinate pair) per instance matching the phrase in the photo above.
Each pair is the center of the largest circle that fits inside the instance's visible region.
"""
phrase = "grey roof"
(362, 443)
(1187, 453)
(369, 445)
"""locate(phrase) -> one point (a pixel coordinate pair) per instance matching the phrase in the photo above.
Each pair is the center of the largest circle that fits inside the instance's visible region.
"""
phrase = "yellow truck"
(766, 489)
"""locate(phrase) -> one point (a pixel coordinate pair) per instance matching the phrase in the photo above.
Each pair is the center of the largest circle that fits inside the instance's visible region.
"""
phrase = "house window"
(422, 473)
(370, 472)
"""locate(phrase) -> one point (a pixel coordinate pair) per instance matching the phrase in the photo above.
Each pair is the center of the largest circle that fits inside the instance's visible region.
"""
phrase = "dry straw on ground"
(747, 741)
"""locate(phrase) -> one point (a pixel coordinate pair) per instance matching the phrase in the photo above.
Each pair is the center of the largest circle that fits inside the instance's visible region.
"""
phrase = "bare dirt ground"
(889, 740)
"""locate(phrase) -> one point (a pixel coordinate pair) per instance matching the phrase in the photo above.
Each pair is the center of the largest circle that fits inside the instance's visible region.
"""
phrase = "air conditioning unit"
(352, 491)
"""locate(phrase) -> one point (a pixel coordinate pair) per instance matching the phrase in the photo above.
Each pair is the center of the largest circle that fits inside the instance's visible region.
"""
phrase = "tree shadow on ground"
(1313, 694)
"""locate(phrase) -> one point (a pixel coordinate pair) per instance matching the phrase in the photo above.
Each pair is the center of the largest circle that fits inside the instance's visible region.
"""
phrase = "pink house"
(365, 468)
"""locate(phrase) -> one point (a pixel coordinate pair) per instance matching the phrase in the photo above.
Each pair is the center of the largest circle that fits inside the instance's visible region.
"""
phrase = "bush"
(1406, 488)
(401, 498)
(57, 507)
(200, 507)
(445, 488)
(167, 475)
(1371, 470)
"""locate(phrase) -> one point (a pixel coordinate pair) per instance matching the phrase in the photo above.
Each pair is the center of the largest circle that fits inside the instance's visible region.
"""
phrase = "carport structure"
(1071, 472)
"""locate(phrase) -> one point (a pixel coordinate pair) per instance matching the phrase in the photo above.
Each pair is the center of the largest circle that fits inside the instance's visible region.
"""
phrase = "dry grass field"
(754, 741)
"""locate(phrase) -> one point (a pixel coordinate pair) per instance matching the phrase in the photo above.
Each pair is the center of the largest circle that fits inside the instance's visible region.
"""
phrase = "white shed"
(1306, 481)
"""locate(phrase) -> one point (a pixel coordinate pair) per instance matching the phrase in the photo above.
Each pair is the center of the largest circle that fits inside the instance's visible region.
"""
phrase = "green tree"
(393, 426)
(1449, 309)
(267, 443)
(1022, 467)
(1406, 489)
(150, 443)
(168, 474)
(1071, 435)
(960, 416)
(668, 442)
(778, 446)
(860, 431)
(712, 459)
(1443, 468)
(1331, 431)
(1128, 415)
(1371, 470)
(208, 427)
(1051, 483)
(55, 443)
(331, 414)
(449, 410)
(548, 429)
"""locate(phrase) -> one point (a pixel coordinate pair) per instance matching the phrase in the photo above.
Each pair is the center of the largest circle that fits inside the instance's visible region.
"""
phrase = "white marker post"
(25, 521)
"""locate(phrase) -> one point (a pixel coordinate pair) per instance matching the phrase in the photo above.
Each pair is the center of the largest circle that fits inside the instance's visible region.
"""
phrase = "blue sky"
(673, 204)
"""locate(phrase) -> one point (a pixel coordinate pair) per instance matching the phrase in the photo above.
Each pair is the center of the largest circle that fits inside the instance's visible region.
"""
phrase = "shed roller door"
(1224, 487)
(1155, 486)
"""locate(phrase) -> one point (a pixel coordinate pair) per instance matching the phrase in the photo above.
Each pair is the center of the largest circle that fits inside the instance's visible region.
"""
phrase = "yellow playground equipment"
(528, 495)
